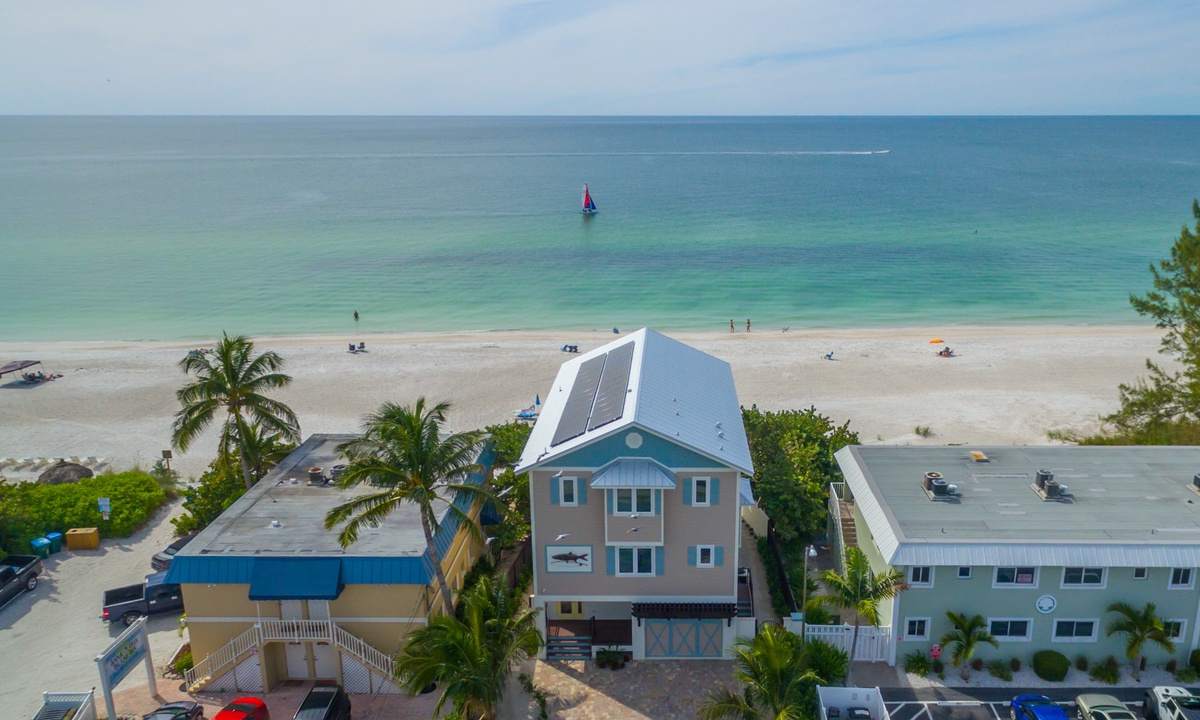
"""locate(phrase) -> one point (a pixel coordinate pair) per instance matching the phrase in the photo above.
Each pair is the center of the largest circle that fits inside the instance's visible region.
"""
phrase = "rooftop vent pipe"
(1044, 476)
(929, 478)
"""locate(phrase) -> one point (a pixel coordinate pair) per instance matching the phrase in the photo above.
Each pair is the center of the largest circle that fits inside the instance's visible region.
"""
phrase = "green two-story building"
(1037, 540)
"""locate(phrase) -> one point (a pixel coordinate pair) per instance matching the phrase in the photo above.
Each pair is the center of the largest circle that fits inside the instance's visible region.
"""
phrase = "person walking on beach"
(731, 325)
(747, 324)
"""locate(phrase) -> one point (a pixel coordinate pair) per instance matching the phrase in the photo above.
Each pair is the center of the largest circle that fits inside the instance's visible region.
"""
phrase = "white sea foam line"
(401, 156)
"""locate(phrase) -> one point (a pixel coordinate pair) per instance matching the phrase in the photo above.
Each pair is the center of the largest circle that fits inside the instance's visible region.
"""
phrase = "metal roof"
(1128, 506)
(296, 579)
(675, 391)
(627, 473)
(745, 493)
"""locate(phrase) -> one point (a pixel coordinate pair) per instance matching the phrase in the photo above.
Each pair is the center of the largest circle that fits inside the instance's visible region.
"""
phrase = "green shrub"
(30, 510)
(212, 495)
(1171, 666)
(1194, 660)
(1106, 672)
(1015, 664)
(183, 663)
(939, 666)
(917, 663)
(977, 664)
(998, 669)
(1186, 675)
(1081, 663)
(1050, 665)
(924, 431)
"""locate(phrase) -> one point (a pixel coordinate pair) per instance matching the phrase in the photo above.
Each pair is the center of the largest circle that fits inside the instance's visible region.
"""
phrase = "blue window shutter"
(692, 555)
(660, 565)
(719, 555)
(581, 489)
(554, 482)
(714, 491)
(687, 491)
(608, 495)
(610, 560)
(658, 508)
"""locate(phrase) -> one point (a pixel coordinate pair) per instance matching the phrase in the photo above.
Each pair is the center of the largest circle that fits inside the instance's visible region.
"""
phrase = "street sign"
(105, 505)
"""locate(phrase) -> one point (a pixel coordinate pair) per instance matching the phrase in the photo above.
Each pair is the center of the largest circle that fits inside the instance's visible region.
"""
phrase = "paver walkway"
(647, 690)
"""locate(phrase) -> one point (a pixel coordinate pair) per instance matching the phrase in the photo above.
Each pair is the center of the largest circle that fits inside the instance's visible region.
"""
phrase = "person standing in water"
(747, 324)
(356, 315)
(731, 325)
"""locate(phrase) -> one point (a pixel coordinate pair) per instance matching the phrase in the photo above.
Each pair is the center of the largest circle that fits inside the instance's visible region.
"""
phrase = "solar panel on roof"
(573, 422)
(614, 386)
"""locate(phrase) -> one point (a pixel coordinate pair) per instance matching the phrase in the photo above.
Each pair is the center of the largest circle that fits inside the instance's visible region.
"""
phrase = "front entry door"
(324, 661)
(297, 661)
(570, 610)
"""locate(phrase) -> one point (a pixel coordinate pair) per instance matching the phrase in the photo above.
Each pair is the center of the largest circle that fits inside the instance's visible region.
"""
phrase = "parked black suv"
(325, 702)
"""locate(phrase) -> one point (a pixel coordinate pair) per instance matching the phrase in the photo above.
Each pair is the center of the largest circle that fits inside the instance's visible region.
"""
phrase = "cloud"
(600, 57)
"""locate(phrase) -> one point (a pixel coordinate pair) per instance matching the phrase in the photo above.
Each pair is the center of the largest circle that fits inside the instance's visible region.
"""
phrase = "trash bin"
(55, 541)
(41, 547)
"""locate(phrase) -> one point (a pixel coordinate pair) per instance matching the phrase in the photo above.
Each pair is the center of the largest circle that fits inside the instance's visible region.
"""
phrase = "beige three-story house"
(634, 466)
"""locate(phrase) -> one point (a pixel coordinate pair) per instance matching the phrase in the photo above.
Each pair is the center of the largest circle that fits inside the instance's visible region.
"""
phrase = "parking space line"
(993, 707)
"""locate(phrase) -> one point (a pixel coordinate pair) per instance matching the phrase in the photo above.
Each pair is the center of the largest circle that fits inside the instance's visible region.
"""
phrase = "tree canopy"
(793, 452)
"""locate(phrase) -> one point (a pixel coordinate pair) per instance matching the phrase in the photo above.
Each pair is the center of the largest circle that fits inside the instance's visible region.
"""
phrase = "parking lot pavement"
(967, 709)
(49, 638)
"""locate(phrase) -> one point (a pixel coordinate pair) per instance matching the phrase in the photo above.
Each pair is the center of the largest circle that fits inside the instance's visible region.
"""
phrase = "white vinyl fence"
(874, 643)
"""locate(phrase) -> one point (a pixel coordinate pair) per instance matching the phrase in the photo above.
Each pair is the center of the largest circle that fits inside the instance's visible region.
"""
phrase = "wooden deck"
(607, 632)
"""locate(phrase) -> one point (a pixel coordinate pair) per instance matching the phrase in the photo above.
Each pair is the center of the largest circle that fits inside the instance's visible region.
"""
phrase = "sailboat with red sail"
(589, 205)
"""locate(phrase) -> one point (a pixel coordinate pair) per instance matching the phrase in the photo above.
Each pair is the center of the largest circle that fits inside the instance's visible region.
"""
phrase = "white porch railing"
(270, 630)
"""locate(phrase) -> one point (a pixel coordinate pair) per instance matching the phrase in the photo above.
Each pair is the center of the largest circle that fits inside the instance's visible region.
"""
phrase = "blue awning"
(296, 579)
(633, 474)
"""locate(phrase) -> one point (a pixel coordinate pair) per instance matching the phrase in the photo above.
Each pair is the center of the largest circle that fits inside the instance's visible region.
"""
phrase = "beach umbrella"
(935, 341)
(537, 400)
(64, 472)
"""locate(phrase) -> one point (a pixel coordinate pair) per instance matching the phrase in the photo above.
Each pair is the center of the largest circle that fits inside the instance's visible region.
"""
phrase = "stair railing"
(226, 655)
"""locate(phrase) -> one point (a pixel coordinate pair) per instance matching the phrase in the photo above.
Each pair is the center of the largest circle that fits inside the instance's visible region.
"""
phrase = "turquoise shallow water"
(145, 228)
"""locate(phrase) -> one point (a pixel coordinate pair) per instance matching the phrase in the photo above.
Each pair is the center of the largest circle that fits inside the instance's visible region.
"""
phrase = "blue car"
(1035, 707)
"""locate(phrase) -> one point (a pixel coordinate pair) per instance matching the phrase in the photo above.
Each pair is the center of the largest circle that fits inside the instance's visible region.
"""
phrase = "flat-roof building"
(1037, 540)
(271, 595)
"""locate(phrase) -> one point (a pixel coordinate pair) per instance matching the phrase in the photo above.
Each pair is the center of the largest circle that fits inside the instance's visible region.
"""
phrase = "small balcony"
(601, 632)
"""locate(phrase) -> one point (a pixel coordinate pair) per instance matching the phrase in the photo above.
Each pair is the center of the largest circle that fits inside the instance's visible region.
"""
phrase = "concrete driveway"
(49, 638)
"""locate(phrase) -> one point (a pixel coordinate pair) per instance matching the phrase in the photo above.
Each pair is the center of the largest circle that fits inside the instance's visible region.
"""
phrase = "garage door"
(683, 638)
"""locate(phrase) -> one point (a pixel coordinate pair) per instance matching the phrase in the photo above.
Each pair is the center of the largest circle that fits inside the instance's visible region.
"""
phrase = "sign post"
(121, 657)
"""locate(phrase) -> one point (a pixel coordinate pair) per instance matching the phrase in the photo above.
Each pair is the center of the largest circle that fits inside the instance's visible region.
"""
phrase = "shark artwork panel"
(569, 558)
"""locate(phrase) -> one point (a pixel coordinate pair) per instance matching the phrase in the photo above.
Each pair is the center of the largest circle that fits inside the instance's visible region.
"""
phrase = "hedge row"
(30, 510)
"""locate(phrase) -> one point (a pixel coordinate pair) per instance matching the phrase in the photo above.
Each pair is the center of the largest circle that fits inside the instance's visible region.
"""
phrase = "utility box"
(83, 538)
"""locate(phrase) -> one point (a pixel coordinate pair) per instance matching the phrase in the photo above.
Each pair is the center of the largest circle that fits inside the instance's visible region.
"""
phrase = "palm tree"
(778, 673)
(402, 452)
(965, 638)
(472, 658)
(1138, 626)
(860, 590)
(233, 378)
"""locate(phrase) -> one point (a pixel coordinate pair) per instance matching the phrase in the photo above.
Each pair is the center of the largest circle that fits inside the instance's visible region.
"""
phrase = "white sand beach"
(1008, 385)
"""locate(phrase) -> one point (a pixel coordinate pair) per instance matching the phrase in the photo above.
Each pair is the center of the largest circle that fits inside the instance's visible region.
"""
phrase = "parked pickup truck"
(1171, 703)
(18, 573)
(151, 597)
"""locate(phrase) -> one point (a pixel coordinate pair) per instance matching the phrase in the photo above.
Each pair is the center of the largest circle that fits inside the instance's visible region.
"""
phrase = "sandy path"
(1008, 385)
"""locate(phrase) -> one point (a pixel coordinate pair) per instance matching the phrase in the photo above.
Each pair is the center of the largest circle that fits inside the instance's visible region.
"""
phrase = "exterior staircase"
(569, 647)
(846, 519)
(228, 657)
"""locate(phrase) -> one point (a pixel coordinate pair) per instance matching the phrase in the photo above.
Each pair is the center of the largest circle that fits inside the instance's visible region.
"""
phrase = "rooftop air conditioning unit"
(930, 477)
(1052, 489)
(1043, 476)
(941, 488)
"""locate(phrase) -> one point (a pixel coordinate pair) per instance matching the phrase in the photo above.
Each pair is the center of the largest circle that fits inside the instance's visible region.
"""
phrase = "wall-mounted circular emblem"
(633, 440)
(1046, 604)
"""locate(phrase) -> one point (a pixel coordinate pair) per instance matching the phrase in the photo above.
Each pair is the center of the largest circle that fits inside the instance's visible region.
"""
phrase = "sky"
(600, 57)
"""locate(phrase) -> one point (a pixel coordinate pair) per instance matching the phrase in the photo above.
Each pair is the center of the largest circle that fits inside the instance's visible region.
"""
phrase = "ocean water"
(156, 228)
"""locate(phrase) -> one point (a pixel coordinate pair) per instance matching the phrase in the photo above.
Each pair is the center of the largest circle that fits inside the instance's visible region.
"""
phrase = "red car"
(246, 708)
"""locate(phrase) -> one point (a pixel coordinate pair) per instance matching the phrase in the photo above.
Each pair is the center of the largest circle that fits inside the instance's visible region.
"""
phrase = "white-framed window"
(1084, 577)
(706, 556)
(635, 561)
(1182, 579)
(1011, 629)
(1141, 573)
(634, 500)
(964, 572)
(568, 491)
(916, 628)
(1175, 629)
(920, 576)
(1076, 630)
(700, 490)
(1016, 576)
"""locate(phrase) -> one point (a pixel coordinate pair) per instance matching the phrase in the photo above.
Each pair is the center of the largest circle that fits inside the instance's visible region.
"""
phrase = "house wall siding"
(600, 452)
(975, 595)
(683, 526)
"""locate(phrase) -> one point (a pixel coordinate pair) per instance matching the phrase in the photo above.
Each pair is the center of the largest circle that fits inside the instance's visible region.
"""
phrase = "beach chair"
(528, 413)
